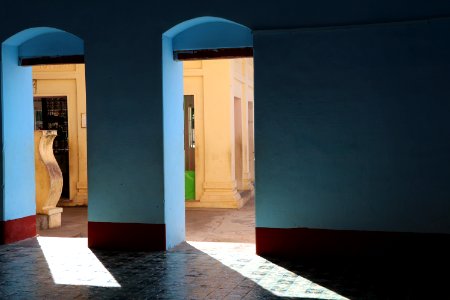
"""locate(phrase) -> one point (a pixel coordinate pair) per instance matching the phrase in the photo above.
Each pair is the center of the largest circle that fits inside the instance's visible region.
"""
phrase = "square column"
(219, 186)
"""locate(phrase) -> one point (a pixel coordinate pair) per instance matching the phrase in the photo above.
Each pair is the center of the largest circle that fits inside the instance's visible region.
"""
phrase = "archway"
(34, 46)
(193, 36)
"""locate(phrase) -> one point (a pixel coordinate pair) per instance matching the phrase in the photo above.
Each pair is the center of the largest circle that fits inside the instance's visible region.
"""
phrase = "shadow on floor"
(407, 277)
(64, 268)
(182, 273)
(215, 270)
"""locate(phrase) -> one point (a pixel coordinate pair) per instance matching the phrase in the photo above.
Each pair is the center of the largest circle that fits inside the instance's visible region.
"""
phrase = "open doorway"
(43, 86)
(203, 39)
(59, 97)
(50, 113)
(218, 145)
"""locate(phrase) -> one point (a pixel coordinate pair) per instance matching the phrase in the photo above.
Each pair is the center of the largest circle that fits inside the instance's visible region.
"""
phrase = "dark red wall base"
(304, 242)
(127, 236)
(18, 229)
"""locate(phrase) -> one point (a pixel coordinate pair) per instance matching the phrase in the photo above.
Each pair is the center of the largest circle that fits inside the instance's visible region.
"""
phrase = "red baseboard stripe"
(304, 242)
(127, 236)
(12, 231)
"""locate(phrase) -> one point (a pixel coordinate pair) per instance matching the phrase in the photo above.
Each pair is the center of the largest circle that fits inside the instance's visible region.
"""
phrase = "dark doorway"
(189, 147)
(50, 113)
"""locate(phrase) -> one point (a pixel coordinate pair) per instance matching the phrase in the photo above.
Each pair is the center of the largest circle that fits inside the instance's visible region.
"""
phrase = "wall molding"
(51, 60)
(127, 236)
(213, 53)
(305, 242)
(12, 231)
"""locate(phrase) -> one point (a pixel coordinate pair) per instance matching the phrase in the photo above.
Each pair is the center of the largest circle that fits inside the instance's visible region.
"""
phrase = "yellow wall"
(243, 88)
(69, 81)
(215, 84)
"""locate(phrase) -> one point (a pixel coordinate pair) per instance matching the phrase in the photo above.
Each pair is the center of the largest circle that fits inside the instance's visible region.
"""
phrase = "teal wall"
(358, 130)
(18, 195)
(351, 129)
(186, 36)
(216, 34)
(52, 44)
(18, 138)
(173, 145)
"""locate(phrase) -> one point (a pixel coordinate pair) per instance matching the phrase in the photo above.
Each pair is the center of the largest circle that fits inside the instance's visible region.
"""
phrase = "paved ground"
(222, 225)
(73, 224)
(64, 268)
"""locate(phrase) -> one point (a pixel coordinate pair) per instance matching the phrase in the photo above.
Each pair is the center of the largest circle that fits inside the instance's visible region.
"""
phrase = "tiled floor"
(64, 268)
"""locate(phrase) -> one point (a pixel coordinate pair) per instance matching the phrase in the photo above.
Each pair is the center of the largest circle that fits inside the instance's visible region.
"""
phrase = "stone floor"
(64, 268)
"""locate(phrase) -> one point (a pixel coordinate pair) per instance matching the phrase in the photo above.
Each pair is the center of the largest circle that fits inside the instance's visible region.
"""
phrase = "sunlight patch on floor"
(71, 262)
(279, 281)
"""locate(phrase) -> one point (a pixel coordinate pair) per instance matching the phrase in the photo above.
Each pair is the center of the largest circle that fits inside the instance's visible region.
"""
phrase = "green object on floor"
(189, 185)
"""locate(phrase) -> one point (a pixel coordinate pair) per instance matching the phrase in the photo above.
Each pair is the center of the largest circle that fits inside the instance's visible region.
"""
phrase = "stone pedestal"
(49, 180)
(50, 220)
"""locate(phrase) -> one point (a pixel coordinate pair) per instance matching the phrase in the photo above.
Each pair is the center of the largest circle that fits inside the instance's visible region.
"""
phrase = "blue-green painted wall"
(18, 186)
(351, 129)
(18, 193)
(173, 128)
(358, 130)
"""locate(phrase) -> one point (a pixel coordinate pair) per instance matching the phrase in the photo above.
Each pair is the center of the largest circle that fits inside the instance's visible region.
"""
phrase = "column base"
(218, 195)
(81, 199)
(214, 204)
(51, 219)
(247, 185)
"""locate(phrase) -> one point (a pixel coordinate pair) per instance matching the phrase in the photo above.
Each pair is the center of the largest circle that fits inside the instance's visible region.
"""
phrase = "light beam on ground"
(71, 262)
(279, 281)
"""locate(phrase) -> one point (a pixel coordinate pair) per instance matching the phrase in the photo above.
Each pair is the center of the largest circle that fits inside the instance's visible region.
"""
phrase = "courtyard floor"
(202, 225)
